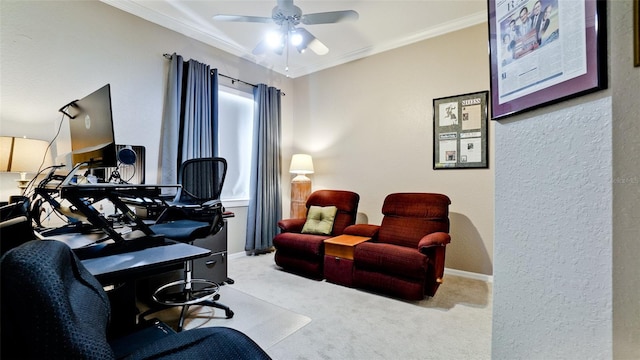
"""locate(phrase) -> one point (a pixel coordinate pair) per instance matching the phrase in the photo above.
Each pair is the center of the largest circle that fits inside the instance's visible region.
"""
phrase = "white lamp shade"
(301, 164)
(23, 155)
(6, 146)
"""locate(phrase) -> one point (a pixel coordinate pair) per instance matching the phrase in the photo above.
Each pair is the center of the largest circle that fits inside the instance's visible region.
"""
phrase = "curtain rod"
(234, 79)
(168, 56)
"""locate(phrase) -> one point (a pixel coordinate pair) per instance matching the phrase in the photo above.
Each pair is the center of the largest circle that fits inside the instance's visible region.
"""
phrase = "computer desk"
(119, 273)
(123, 267)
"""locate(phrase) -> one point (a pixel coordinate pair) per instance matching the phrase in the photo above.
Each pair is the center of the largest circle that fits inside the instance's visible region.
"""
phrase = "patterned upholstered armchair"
(302, 252)
(406, 255)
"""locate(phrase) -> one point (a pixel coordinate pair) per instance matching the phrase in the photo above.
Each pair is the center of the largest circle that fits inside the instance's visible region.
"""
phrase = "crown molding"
(217, 41)
(220, 41)
(458, 24)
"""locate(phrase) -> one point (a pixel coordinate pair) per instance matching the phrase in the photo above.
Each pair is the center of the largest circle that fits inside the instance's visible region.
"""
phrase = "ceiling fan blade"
(329, 17)
(242, 18)
(318, 47)
(261, 48)
(311, 42)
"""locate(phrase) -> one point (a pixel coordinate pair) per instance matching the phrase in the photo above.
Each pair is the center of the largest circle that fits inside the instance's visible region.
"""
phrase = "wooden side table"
(338, 258)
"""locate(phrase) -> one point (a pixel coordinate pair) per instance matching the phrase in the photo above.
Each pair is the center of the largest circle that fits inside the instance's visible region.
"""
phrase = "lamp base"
(300, 191)
(23, 181)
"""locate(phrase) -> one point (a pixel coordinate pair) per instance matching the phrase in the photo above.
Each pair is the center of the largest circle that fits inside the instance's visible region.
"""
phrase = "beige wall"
(369, 125)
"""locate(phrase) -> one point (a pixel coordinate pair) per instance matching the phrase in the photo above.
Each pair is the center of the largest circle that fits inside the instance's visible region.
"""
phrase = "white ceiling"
(382, 26)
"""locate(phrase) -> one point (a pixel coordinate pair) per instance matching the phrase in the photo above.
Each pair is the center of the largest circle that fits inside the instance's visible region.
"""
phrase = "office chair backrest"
(52, 307)
(15, 223)
(201, 180)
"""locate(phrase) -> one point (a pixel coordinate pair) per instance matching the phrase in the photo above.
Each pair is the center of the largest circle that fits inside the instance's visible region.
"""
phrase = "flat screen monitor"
(91, 125)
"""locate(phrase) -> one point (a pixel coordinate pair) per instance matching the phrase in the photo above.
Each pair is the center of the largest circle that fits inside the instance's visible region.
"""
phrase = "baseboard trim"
(447, 271)
(245, 253)
(469, 275)
(237, 255)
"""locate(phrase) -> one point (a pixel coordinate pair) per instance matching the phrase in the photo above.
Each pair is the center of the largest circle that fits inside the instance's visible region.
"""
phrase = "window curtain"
(265, 204)
(190, 116)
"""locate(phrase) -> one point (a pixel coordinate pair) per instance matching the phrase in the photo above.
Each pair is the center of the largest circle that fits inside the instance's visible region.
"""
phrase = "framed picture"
(460, 131)
(636, 32)
(545, 51)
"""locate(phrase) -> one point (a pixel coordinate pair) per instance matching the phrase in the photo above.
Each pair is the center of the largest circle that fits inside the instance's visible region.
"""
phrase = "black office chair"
(53, 308)
(196, 212)
(15, 223)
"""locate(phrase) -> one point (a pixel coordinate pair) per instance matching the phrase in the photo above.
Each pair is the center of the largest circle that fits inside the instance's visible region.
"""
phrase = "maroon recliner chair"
(405, 257)
(304, 253)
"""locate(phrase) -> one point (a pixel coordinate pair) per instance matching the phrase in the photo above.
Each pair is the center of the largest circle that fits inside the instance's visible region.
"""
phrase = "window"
(235, 127)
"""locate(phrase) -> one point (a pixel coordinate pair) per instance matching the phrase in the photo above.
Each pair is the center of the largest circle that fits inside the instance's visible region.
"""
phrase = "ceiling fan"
(288, 17)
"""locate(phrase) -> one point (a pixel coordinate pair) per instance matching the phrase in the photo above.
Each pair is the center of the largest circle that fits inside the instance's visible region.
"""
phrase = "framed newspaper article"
(545, 51)
(460, 131)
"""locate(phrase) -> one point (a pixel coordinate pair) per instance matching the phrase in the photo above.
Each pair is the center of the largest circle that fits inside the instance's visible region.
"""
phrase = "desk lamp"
(23, 156)
(301, 165)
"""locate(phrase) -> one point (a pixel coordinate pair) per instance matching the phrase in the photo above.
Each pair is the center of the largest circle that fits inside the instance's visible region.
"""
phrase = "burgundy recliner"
(405, 257)
(304, 253)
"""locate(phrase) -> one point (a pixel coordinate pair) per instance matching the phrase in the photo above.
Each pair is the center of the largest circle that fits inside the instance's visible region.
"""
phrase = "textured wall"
(553, 233)
(567, 280)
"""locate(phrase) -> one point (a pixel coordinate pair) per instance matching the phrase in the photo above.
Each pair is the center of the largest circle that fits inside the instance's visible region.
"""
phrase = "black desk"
(123, 270)
(133, 265)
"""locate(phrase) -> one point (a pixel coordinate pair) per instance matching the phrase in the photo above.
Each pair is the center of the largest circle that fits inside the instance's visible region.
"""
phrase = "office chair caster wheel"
(229, 313)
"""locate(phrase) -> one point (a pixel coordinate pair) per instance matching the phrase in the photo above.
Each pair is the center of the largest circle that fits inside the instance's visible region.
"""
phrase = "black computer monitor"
(91, 125)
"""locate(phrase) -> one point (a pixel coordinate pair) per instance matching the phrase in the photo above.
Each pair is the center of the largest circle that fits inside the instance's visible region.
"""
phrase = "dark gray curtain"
(265, 204)
(171, 123)
(190, 117)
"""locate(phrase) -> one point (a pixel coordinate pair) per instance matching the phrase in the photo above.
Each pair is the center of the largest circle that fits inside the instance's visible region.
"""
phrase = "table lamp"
(23, 156)
(301, 165)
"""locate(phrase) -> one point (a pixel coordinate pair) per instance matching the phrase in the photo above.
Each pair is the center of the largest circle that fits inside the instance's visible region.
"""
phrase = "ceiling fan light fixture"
(296, 38)
(287, 16)
(274, 40)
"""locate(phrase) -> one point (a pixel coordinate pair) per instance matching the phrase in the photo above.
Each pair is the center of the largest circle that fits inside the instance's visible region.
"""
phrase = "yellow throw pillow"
(320, 220)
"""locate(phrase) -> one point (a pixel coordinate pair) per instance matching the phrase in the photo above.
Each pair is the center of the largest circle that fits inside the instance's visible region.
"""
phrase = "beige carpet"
(353, 324)
(293, 317)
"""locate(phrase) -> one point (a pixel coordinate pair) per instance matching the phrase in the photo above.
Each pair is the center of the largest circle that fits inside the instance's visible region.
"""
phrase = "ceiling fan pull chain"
(286, 42)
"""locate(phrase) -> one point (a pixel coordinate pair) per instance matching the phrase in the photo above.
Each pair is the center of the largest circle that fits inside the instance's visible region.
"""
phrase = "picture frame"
(460, 135)
(636, 33)
(551, 58)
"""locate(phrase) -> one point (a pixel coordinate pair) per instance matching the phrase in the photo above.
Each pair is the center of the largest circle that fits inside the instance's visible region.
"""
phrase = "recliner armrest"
(291, 225)
(366, 230)
(434, 239)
